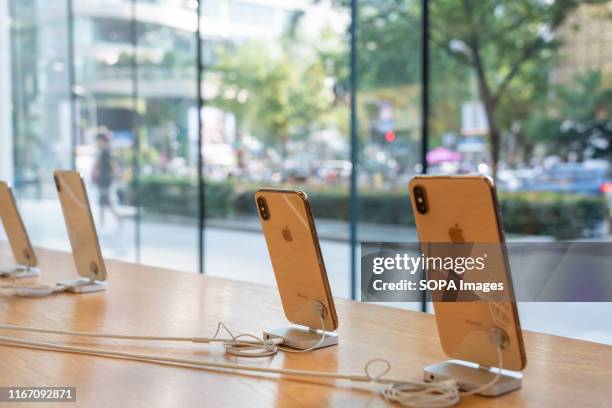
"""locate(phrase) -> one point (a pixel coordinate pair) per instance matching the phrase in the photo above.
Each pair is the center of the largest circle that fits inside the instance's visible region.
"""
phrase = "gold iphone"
(464, 209)
(15, 229)
(80, 225)
(296, 257)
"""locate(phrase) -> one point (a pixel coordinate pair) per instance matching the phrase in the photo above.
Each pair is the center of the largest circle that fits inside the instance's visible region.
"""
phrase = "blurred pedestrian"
(104, 174)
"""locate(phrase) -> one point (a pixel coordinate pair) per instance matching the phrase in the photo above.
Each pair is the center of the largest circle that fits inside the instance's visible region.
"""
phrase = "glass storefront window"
(521, 95)
(274, 116)
(41, 113)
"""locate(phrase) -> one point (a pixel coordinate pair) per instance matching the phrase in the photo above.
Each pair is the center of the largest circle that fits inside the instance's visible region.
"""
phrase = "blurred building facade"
(586, 44)
(132, 68)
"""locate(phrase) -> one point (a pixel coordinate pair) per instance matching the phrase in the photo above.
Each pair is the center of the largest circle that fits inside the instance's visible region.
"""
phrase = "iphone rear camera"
(262, 207)
(420, 199)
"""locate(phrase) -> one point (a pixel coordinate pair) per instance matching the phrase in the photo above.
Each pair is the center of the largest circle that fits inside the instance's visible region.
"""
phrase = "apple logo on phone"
(287, 234)
(456, 234)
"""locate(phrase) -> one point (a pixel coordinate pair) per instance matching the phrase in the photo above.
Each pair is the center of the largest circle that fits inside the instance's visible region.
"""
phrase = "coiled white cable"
(236, 345)
(183, 361)
(34, 290)
(419, 394)
(241, 345)
(38, 291)
(414, 394)
(256, 347)
(10, 273)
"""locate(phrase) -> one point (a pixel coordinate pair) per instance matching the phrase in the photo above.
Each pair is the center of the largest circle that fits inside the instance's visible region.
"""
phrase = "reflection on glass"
(389, 119)
(523, 95)
(276, 114)
(105, 119)
(41, 113)
(520, 106)
(167, 132)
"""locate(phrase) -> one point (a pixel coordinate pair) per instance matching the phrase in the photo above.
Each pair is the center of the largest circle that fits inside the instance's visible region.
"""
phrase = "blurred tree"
(274, 94)
(388, 66)
(508, 46)
(387, 39)
(527, 95)
(496, 40)
(578, 119)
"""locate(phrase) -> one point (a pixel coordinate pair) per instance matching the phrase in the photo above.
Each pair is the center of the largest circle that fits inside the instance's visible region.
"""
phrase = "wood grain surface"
(143, 300)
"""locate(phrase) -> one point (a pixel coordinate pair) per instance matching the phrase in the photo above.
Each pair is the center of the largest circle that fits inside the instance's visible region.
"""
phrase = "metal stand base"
(83, 285)
(20, 272)
(470, 376)
(301, 338)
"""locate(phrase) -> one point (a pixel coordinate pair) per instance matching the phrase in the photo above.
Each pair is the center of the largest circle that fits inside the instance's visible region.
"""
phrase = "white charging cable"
(38, 291)
(235, 345)
(314, 346)
(241, 345)
(34, 290)
(420, 394)
(414, 394)
(10, 273)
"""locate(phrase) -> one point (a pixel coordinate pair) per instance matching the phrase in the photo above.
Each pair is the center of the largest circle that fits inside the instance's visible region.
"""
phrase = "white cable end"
(450, 382)
(200, 340)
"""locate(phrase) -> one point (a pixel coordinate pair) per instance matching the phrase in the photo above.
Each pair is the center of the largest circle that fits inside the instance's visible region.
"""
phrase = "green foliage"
(333, 203)
(562, 216)
(170, 195)
(388, 43)
(499, 36)
(277, 95)
(580, 110)
(508, 46)
(501, 52)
